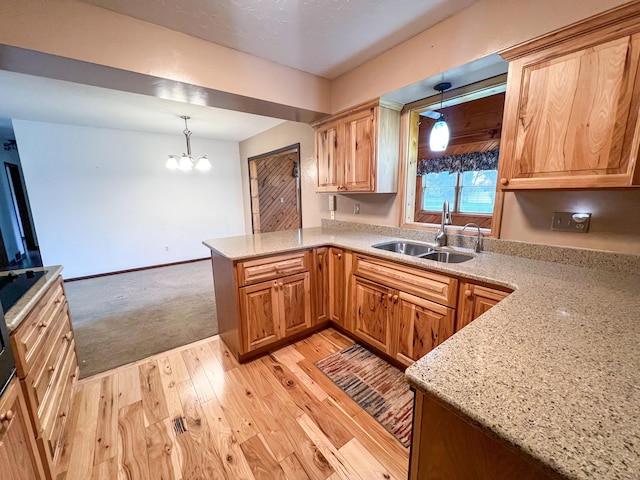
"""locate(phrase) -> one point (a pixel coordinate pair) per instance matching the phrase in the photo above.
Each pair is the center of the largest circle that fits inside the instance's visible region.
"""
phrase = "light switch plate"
(575, 222)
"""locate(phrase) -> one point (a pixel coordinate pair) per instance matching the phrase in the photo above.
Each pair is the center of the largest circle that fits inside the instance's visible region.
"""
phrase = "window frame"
(410, 117)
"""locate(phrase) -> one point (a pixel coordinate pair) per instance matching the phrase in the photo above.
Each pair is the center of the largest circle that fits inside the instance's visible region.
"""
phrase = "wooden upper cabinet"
(571, 108)
(357, 150)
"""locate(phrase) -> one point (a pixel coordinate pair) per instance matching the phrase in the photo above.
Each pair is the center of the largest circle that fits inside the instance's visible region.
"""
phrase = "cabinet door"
(18, 455)
(259, 304)
(372, 305)
(320, 284)
(327, 160)
(421, 326)
(294, 304)
(358, 152)
(474, 301)
(337, 286)
(568, 122)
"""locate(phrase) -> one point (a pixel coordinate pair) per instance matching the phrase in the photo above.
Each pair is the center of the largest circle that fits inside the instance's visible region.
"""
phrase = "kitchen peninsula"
(551, 372)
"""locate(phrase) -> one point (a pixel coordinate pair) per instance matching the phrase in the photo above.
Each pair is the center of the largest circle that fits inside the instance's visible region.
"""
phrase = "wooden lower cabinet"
(421, 325)
(446, 446)
(373, 311)
(320, 287)
(19, 459)
(474, 300)
(337, 285)
(274, 310)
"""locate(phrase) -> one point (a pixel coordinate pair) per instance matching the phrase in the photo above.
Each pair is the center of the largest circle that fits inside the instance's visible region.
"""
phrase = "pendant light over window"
(186, 162)
(439, 136)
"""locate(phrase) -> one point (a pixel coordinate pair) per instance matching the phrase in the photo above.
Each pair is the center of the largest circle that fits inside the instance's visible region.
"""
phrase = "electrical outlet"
(332, 203)
(356, 208)
(571, 222)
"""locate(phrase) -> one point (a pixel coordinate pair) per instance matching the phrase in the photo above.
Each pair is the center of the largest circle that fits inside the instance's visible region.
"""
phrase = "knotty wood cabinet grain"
(474, 300)
(274, 310)
(337, 285)
(19, 458)
(571, 109)
(421, 325)
(357, 150)
(47, 366)
(373, 310)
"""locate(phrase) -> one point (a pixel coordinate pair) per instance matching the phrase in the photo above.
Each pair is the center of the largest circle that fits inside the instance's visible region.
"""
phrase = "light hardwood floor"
(195, 413)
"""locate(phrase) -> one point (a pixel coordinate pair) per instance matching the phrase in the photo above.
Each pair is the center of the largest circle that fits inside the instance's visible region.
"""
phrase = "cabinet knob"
(395, 299)
(42, 325)
(275, 284)
(68, 336)
(9, 415)
(280, 284)
(3, 416)
(51, 368)
(467, 293)
(339, 256)
(504, 181)
(58, 300)
(389, 296)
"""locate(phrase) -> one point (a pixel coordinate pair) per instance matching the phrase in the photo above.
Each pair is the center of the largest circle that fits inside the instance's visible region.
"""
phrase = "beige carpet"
(126, 317)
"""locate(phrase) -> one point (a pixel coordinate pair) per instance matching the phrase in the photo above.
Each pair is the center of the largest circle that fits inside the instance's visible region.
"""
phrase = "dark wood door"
(275, 192)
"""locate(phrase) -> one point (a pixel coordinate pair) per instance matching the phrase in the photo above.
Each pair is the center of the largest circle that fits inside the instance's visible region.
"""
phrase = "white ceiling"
(323, 37)
(27, 97)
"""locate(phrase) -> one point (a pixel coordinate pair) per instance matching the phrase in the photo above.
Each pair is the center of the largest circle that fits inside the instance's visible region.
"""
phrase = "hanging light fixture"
(185, 162)
(439, 136)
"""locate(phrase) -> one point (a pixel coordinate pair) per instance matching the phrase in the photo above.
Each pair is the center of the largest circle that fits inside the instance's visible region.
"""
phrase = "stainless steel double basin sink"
(423, 251)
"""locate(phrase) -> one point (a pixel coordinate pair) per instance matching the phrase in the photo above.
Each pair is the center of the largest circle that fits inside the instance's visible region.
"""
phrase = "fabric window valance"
(464, 162)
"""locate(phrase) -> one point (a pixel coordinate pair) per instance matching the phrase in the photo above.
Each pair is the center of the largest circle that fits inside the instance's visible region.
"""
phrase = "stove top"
(14, 285)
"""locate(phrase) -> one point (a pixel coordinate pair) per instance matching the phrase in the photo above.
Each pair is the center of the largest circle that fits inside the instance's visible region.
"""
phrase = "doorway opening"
(274, 184)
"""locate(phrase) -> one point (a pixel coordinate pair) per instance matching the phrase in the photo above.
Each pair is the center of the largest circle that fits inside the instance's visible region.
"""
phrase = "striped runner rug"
(378, 387)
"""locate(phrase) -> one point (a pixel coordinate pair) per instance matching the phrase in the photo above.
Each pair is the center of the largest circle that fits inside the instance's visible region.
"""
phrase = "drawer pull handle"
(467, 293)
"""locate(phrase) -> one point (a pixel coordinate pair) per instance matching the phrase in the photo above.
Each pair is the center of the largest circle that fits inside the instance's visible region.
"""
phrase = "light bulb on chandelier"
(185, 162)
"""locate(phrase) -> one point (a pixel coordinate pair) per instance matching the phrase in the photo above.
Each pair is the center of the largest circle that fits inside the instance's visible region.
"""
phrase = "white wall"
(102, 200)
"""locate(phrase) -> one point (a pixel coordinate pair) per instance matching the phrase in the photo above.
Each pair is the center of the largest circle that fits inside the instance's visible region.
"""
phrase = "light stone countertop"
(553, 369)
(23, 306)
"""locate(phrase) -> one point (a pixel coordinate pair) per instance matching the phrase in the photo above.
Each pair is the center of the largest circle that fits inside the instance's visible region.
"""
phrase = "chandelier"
(439, 137)
(186, 162)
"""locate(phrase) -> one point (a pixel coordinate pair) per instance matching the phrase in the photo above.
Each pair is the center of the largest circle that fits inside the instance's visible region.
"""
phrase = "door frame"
(294, 148)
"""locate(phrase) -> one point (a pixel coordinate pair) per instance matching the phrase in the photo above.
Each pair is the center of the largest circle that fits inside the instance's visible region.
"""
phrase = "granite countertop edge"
(528, 370)
(14, 316)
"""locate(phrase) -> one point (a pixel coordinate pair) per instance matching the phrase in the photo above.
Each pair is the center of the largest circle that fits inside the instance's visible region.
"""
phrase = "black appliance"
(12, 287)
(7, 362)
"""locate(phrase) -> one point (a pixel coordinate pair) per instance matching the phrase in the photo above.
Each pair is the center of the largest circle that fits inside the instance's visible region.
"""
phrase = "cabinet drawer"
(263, 269)
(44, 370)
(432, 286)
(35, 330)
(55, 406)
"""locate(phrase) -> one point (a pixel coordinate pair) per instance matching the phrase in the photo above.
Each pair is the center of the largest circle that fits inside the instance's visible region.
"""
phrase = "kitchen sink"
(406, 248)
(447, 257)
(423, 251)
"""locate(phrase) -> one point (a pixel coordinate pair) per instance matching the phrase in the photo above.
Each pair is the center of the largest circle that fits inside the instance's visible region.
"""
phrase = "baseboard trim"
(97, 275)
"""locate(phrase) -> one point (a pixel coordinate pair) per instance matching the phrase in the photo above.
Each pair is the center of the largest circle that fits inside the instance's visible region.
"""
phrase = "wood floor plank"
(107, 428)
(329, 425)
(339, 340)
(161, 451)
(292, 468)
(222, 353)
(262, 463)
(377, 440)
(364, 463)
(311, 458)
(236, 410)
(263, 365)
(70, 427)
(128, 386)
(81, 456)
(257, 378)
(203, 461)
(198, 376)
(330, 388)
(153, 401)
(290, 357)
(228, 447)
(169, 387)
(107, 470)
(179, 370)
(268, 425)
(333, 456)
(132, 443)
